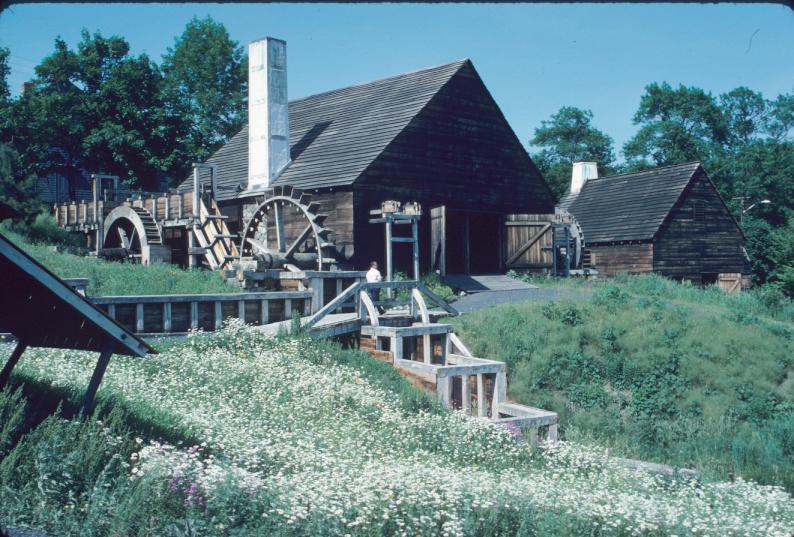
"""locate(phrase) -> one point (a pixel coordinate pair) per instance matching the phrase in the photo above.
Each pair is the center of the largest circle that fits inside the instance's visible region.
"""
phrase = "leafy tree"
(17, 189)
(566, 138)
(206, 84)
(676, 125)
(5, 70)
(97, 109)
(781, 252)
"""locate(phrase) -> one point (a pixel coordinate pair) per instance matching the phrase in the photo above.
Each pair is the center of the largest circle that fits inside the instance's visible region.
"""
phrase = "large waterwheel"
(130, 233)
(287, 228)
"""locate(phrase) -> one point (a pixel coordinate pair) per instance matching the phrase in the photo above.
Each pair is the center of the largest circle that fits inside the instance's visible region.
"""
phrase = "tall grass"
(656, 370)
(108, 278)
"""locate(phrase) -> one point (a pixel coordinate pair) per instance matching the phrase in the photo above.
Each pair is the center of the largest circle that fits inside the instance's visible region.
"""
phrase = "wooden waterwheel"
(287, 228)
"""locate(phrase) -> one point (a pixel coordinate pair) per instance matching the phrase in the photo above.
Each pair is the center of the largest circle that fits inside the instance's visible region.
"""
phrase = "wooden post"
(396, 344)
(465, 395)
(551, 435)
(193, 315)
(241, 310)
(218, 315)
(192, 259)
(5, 374)
(139, 318)
(339, 288)
(264, 312)
(481, 396)
(444, 391)
(166, 317)
(287, 308)
(499, 393)
(167, 206)
(388, 253)
(112, 311)
(180, 205)
(317, 294)
(96, 378)
(427, 348)
(415, 232)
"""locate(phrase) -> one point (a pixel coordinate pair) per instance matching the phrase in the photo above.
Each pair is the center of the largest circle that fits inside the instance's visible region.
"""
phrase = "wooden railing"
(170, 314)
(162, 207)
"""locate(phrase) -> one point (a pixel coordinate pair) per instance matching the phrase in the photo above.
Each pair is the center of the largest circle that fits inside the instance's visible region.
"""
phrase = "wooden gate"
(528, 242)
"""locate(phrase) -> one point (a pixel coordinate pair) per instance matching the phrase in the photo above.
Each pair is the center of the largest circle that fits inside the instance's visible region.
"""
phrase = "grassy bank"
(297, 437)
(656, 370)
(107, 278)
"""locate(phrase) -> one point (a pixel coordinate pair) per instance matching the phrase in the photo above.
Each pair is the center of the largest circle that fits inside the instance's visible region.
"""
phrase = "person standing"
(374, 276)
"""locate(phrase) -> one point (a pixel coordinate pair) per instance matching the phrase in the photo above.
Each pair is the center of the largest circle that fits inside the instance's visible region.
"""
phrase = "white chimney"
(582, 171)
(268, 123)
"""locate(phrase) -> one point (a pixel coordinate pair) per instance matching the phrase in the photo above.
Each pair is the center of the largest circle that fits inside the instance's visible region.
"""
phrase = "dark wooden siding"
(631, 258)
(690, 244)
(459, 151)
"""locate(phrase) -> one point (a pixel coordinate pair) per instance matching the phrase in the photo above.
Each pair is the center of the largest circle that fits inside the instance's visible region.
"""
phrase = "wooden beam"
(301, 238)
(5, 374)
(96, 378)
(280, 237)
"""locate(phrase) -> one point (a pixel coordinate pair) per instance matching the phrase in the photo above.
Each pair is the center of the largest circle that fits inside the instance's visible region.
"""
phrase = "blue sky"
(534, 58)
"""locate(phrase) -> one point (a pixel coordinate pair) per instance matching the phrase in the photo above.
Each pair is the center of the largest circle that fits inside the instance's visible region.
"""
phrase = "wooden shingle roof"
(336, 135)
(628, 207)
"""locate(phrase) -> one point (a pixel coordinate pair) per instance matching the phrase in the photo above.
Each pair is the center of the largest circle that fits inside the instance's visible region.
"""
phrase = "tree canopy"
(206, 85)
(566, 138)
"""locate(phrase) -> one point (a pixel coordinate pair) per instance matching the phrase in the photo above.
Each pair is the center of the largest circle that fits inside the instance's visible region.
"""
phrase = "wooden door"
(438, 246)
(528, 242)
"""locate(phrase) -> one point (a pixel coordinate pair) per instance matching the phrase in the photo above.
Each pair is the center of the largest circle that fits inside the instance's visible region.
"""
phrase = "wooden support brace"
(96, 378)
(167, 317)
(5, 374)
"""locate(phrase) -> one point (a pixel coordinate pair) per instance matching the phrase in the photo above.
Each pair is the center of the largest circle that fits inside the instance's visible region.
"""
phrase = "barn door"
(438, 247)
(528, 242)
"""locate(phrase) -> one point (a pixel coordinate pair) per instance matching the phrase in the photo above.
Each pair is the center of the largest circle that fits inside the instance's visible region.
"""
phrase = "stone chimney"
(582, 171)
(268, 120)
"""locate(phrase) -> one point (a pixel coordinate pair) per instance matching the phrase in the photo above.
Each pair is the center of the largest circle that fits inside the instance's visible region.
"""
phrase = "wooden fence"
(175, 314)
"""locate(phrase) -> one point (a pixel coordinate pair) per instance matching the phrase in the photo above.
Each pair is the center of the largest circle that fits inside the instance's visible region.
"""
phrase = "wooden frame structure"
(40, 310)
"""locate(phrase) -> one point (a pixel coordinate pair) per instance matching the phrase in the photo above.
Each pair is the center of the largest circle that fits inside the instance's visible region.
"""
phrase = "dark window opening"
(708, 278)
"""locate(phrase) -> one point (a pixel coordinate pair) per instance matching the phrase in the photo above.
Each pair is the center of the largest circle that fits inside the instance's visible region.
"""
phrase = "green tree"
(5, 70)
(568, 137)
(17, 188)
(676, 125)
(97, 109)
(206, 84)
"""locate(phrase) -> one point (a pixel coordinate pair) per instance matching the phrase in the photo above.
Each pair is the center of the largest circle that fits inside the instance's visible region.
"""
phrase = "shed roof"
(42, 311)
(336, 135)
(630, 206)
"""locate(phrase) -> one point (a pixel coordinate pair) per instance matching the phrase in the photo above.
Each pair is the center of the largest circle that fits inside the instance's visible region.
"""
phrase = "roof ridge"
(384, 79)
(683, 164)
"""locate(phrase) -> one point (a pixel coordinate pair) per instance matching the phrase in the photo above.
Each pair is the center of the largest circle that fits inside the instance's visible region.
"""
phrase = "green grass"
(235, 434)
(656, 370)
(109, 278)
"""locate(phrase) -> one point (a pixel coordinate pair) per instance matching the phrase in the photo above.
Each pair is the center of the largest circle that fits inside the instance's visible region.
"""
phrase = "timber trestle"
(427, 352)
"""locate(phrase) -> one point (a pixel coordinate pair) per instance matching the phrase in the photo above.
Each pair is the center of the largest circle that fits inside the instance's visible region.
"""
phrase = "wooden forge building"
(669, 220)
(434, 136)
(299, 182)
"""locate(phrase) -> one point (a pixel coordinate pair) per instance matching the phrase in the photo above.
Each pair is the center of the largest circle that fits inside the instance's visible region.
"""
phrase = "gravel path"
(487, 299)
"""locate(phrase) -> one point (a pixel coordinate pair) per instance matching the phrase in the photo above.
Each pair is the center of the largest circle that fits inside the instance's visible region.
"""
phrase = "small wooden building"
(669, 220)
(434, 136)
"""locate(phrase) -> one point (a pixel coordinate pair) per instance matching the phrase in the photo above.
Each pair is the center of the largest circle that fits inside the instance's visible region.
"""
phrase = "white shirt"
(374, 276)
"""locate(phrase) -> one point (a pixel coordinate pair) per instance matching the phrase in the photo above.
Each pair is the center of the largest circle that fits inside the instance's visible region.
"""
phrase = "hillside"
(297, 437)
(111, 278)
(656, 370)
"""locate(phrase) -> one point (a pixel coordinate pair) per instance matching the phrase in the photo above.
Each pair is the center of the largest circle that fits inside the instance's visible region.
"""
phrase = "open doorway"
(466, 242)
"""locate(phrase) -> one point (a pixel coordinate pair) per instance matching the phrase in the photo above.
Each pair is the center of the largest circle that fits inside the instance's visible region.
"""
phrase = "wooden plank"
(149, 299)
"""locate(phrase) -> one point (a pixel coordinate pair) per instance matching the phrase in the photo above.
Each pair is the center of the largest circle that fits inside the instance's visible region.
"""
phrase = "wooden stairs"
(215, 242)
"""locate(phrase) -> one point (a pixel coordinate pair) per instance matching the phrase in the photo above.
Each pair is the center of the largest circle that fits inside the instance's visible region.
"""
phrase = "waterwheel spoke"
(300, 240)
(280, 238)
